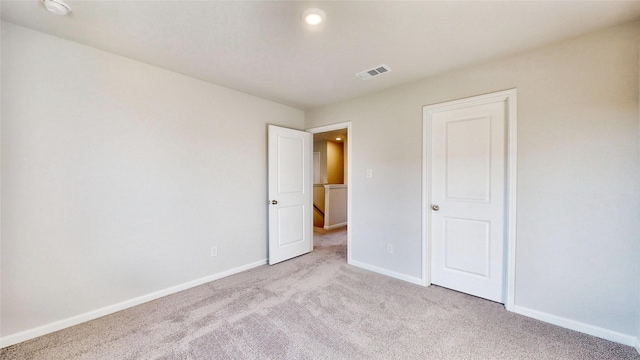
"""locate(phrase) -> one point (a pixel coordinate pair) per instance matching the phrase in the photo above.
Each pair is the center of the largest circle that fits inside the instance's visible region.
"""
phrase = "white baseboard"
(578, 326)
(91, 315)
(335, 226)
(393, 274)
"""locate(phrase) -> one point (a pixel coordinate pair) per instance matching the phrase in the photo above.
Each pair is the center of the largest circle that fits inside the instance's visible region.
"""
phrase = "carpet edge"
(393, 274)
(593, 330)
(25, 335)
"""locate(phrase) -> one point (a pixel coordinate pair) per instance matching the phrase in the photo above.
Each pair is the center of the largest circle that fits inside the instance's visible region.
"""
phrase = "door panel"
(467, 246)
(468, 159)
(468, 186)
(290, 193)
(290, 164)
(290, 224)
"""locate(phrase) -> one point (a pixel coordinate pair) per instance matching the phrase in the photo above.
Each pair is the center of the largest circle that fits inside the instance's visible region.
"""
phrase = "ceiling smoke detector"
(378, 70)
(57, 7)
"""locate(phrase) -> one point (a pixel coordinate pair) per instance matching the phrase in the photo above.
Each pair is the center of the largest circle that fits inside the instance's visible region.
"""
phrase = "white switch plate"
(214, 251)
(369, 173)
(389, 248)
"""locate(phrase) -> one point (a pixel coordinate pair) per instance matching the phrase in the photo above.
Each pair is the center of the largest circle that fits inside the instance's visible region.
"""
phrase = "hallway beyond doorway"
(333, 237)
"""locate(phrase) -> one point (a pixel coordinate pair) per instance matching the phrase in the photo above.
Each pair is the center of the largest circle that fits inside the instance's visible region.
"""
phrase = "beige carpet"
(317, 307)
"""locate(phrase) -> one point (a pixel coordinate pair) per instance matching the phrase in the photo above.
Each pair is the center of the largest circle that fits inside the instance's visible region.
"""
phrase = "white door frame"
(510, 98)
(339, 126)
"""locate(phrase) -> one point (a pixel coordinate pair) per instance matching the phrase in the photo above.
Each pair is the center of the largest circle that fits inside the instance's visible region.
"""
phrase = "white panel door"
(290, 193)
(468, 199)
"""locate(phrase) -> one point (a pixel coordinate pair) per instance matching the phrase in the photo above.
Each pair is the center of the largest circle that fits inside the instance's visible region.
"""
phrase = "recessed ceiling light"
(313, 16)
(338, 139)
(57, 7)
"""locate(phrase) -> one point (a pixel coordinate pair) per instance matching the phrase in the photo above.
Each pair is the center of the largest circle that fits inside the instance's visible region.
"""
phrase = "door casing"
(510, 99)
(339, 126)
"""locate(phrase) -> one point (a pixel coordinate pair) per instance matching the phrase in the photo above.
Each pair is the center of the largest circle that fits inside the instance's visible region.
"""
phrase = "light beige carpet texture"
(317, 307)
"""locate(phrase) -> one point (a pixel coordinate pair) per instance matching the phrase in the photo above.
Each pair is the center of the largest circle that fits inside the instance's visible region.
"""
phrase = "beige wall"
(335, 163)
(578, 170)
(332, 162)
(336, 206)
(118, 177)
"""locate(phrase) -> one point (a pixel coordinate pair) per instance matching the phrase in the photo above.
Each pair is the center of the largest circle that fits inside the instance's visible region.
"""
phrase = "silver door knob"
(274, 202)
(435, 207)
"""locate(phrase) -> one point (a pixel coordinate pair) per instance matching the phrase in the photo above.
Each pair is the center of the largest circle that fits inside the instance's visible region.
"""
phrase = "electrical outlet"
(214, 251)
(389, 248)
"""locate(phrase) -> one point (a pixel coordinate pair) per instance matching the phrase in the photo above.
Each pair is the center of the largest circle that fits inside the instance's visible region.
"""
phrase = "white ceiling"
(263, 49)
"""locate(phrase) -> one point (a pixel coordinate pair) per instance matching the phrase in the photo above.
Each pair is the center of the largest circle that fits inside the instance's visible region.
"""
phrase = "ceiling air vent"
(378, 70)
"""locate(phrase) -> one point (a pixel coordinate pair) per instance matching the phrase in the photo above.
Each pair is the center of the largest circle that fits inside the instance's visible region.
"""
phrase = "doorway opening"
(331, 193)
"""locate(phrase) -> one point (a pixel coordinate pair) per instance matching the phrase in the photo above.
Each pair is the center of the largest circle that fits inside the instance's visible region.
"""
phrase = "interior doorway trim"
(340, 126)
(510, 99)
